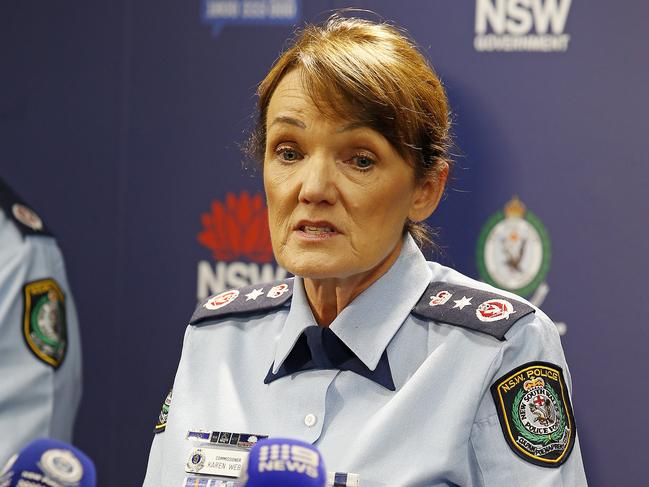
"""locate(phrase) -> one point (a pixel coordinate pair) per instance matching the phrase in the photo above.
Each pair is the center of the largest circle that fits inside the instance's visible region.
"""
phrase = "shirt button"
(310, 420)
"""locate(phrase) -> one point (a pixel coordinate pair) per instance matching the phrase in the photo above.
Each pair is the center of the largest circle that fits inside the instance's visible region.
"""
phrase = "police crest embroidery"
(44, 324)
(535, 413)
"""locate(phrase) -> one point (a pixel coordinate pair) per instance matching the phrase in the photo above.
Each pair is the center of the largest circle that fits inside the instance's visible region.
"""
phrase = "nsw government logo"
(521, 25)
(236, 232)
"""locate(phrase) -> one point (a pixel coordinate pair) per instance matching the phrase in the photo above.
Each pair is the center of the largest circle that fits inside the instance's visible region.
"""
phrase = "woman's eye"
(363, 162)
(287, 154)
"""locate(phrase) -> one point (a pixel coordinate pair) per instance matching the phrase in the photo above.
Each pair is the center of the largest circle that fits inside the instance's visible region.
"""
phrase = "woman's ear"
(427, 194)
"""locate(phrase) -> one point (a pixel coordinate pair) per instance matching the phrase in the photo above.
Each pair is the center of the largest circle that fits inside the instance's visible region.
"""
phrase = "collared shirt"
(439, 427)
(40, 380)
(320, 348)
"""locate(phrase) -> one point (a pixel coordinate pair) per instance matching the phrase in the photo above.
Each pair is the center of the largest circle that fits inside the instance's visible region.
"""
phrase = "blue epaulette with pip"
(256, 298)
(25, 219)
(470, 308)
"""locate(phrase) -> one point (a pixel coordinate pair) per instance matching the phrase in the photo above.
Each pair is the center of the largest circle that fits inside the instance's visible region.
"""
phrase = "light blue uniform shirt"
(37, 398)
(438, 428)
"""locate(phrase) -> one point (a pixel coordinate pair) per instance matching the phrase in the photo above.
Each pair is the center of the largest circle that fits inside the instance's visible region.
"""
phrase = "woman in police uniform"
(400, 370)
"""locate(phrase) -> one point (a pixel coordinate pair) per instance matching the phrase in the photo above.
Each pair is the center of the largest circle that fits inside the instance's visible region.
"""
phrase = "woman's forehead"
(291, 98)
(289, 87)
(293, 104)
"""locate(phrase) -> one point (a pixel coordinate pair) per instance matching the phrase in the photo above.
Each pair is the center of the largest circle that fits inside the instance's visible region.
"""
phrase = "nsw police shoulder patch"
(44, 324)
(535, 413)
(161, 423)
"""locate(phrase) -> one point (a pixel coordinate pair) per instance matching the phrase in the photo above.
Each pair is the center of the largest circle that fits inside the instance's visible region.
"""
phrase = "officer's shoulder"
(458, 300)
(20, 213)
(248, 300)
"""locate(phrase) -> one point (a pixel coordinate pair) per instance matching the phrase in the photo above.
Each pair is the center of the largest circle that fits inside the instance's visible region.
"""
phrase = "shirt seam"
(477, 459)
(485, 384)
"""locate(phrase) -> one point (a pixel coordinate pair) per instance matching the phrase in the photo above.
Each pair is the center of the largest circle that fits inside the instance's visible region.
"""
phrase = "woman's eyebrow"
(288, 120)
(352, 126)
(283, 119)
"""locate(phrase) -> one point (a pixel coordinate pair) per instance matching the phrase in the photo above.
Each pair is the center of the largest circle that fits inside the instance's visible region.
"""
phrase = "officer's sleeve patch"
(535, 413)
(256, 298)
(44, 324)
(161, 423)
(470, 308)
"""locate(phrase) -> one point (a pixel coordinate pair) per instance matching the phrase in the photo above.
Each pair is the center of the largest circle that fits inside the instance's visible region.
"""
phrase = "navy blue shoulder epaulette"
(470, 308)
(25, 219)
(255, 298)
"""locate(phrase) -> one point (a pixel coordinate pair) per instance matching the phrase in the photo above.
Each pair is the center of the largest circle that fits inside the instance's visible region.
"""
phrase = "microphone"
(48, 463)
(283, 462)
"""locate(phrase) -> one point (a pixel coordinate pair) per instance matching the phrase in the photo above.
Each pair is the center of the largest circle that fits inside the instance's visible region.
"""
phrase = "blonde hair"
(372, 74)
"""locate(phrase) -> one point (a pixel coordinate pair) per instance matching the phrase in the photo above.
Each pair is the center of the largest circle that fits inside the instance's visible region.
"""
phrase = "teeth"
(310, 229)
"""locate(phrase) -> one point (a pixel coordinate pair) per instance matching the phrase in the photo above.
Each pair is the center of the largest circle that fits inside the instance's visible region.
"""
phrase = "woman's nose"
(318, 181)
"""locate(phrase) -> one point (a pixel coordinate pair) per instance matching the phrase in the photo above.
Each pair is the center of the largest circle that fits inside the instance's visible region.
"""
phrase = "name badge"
(222, 462)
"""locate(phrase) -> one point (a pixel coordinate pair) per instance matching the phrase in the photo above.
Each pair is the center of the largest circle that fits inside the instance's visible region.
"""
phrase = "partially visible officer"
(40, 351)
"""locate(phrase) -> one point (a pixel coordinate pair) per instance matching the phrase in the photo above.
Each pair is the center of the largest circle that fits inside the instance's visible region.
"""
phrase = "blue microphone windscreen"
(49, 462)
(286, 463)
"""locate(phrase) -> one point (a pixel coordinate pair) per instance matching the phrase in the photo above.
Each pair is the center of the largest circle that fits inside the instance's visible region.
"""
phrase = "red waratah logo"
(238, 228)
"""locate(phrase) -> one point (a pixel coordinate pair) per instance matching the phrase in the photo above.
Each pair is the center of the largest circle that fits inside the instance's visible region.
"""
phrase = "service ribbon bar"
(224, 438)
(342, 479)
(198, 435)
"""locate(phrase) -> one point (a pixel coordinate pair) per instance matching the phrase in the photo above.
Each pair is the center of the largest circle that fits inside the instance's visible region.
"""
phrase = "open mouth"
(313, 230)
(317, 229)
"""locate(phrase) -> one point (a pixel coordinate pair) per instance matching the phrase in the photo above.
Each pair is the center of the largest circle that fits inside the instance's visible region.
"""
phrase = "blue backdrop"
(121, 121)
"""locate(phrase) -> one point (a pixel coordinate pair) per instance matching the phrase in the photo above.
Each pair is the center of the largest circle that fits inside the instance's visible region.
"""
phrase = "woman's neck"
(328, 297)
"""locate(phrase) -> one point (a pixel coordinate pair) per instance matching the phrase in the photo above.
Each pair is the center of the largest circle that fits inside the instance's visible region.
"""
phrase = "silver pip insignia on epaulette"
(255, 298)
(470, 308)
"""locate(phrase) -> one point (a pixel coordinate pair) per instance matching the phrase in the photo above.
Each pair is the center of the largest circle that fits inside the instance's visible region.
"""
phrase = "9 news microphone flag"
(49, 463)
(284, 462)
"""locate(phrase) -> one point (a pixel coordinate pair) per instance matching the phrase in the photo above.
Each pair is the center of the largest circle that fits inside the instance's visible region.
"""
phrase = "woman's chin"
(315, 268)
(315, 272)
